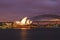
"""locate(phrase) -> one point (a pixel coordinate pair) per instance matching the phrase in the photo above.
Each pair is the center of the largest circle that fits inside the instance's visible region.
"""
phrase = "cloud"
(21, 8)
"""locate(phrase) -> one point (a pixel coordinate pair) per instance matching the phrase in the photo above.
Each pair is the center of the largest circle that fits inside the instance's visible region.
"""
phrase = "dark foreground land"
(30, 34)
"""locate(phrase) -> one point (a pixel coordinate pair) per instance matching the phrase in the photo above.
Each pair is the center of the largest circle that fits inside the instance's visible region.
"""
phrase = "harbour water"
(30, 34)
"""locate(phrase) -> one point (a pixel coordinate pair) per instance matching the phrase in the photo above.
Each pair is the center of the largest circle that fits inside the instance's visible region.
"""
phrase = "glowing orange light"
(17, 22)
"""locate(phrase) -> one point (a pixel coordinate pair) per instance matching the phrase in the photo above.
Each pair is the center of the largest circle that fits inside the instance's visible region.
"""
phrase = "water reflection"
(40, 34)
(23, 34)
(30, 34)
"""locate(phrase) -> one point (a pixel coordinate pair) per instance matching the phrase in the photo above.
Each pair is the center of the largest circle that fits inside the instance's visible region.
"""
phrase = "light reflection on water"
(30, 34)
(39, 34)
(23, 34)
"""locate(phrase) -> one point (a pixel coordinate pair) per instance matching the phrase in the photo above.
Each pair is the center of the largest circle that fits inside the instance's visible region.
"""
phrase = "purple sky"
(15, 9)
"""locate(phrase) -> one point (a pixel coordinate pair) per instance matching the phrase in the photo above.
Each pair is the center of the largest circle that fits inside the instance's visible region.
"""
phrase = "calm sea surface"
(30, 34)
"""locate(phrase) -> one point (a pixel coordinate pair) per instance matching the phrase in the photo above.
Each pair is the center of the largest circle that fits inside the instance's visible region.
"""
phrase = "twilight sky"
(17, 9)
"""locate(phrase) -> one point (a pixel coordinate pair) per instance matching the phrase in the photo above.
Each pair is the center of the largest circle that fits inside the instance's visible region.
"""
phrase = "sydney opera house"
(40, 21)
